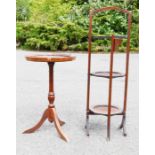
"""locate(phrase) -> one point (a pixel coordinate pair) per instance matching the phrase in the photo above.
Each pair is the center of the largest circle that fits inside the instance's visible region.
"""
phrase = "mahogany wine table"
(50, 112)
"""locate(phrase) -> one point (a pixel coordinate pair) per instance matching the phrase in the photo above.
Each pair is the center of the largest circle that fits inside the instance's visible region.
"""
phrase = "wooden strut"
(88, 74)
(50, 112)
(110, 87)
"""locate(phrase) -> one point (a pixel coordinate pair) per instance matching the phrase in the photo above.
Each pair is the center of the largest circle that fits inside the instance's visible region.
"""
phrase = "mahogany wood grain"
(50, 58)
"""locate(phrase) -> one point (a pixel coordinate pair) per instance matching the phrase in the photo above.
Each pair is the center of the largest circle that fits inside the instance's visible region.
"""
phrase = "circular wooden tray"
(50, 58)
(106, 74)
(103, 110)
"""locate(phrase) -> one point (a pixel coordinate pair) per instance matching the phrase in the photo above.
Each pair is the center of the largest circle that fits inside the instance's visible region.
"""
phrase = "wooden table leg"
(57, 123)
(39, 124)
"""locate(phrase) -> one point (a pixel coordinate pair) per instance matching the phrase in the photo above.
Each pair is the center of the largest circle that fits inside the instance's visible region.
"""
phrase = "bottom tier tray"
(103, 110)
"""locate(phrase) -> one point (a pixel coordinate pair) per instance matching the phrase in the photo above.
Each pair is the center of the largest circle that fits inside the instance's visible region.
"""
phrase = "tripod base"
(51, 115)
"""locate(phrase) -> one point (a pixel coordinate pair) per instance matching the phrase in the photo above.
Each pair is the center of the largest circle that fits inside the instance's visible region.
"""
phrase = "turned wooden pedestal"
(50, 112)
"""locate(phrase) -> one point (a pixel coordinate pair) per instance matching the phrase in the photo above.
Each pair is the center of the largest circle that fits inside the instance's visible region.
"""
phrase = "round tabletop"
(50, 58)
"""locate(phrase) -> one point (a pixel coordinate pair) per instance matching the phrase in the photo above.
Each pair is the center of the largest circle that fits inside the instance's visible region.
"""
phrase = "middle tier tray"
(106, 74)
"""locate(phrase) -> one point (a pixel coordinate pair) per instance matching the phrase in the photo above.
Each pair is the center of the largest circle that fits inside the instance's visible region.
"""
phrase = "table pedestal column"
(50, 112)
